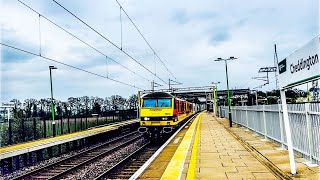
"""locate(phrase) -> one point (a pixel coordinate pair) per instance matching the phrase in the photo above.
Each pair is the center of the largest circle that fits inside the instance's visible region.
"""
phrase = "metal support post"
(309, 130)
(152, 86)
(264, 122)
(247, 117)
(9, 129)
(281, 127)
(214, 101)
(229, 101)
(235, 112)
(52, 104)
(138, 105)
(34, 129)
(256, 97)
(288, 131)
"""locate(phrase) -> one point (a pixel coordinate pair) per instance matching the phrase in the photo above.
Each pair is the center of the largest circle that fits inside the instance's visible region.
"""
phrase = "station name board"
(301, 66)
(7, 104)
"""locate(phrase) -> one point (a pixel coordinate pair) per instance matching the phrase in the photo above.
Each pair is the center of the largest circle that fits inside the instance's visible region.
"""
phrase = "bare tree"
(106, 105)
(66, 105)
(28, 105)
(85, 100)
(42, 104)
(73, 106)
(133, 101)
(96, 104)
(17, 106)
(117, 102)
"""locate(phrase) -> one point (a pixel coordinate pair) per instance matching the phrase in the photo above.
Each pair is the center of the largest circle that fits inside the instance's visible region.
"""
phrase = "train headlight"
(146, 118)
(165, 118)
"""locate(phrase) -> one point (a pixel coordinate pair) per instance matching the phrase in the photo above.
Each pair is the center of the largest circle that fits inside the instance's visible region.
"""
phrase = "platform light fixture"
(229, 101)
(52, 104)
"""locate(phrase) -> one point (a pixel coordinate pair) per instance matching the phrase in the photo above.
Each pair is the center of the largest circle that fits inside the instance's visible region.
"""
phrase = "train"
(162, 113)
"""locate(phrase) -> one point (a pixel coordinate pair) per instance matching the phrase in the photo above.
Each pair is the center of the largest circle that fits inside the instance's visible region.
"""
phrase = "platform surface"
(221, 156)
(219, 152)
(18, 149)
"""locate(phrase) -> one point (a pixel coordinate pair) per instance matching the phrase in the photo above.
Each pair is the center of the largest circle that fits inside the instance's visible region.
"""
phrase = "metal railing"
(267, 120)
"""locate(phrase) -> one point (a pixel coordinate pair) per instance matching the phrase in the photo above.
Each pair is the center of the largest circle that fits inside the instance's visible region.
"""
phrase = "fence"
(24, 129)
(267, 120)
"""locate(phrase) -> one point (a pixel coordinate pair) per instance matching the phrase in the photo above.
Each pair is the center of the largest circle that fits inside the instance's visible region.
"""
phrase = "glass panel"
(149, 103)
(164, 102)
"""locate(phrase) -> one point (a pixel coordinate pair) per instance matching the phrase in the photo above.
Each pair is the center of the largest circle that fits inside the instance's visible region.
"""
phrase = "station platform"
(209, 149)
(19, 149)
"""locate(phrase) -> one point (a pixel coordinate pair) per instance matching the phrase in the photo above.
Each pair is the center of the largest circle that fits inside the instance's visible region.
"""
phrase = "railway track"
(65, 166)
(135, 163)
(130, 164)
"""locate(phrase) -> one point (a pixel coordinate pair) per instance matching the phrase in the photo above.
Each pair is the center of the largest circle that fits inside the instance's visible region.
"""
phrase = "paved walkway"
(274, 154)
(220, 156)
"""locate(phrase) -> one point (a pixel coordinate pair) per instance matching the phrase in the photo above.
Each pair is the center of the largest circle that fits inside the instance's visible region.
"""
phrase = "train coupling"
(142, 129)
(167, 129)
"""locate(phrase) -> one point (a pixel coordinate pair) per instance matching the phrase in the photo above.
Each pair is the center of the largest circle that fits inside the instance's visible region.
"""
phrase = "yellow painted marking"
(175, 166)
(176, 140)
(193, 160)
(54, 139)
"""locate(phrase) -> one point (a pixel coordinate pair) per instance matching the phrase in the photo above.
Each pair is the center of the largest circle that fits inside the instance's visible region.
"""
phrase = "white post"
(288, 131)
(256, 97)
(281, 126)
(8, 116)
(138, 105)
(264, 122)
(214, 101)
(235, 114)
(247, 117)
(309, 130)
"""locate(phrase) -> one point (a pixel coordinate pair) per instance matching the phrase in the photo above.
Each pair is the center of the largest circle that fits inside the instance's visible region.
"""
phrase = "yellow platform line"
(193, 160)
(85, 133)
(175, 166)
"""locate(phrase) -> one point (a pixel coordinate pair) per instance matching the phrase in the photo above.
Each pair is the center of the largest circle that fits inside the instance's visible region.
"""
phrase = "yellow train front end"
(160, 115)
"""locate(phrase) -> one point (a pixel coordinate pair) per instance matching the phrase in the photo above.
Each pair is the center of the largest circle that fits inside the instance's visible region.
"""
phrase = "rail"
(79, 160)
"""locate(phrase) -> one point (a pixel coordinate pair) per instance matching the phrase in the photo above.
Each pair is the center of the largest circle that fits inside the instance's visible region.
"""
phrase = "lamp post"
(52, 103)
(215, 89)
(229, 101)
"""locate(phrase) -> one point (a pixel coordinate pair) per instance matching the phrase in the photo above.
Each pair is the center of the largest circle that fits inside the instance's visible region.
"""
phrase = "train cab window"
(164, 102)
(149, 103)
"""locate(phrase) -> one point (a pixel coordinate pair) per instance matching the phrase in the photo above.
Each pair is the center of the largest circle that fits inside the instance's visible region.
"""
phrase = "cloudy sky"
(187, 35)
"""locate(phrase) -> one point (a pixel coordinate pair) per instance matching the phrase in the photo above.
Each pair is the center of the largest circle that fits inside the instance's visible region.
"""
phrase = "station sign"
(10, 104)
(301, 66)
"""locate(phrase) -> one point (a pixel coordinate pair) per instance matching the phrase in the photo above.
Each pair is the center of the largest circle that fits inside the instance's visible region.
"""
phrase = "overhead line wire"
(145, 39)
(108, 40)
(41, 15)
(65, 64)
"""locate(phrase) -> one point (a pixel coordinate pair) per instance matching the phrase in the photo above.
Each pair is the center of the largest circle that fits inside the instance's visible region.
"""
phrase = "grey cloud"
(219, 37)
(180, 17)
